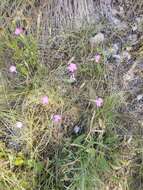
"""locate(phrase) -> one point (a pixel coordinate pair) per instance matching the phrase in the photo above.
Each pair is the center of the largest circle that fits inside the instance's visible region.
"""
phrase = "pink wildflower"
(72, 67)
(18, 31)
(44, 100)
(56, 118)
(19, 125)
(12, 69)
(99, 102)
(97, 58)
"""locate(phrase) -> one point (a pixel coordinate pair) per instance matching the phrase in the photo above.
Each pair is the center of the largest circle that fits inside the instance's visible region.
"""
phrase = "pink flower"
(18, 31)
(56, 118)
(97, 58)
(99, 102)
(12, 69)
(44, 100)
(19, 125)
(72, 67)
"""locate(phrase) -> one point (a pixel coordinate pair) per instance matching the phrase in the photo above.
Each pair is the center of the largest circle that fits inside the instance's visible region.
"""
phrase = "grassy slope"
(43, 155)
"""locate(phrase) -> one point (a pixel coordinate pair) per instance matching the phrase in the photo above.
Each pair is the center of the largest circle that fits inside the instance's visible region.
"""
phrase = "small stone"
(116, 21)
(139, 97)
(140, 27)
(134, 27)
(114, 12)
(126, 55)
(121, 10)
(115, 49)
(97, 39)
(139, 21)
(129, 48)
(128, 77)
(132, 39)
(120, 25)
(117, 57)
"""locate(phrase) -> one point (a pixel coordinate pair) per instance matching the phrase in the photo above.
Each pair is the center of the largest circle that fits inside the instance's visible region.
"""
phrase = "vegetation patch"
(62, 120)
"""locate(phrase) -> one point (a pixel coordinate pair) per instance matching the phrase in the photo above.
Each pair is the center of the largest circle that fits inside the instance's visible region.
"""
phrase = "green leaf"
(91, 152)
(38, 167)
(30, 163)
(23, 71)
(79, 139)
(99, 68)
(102, 164)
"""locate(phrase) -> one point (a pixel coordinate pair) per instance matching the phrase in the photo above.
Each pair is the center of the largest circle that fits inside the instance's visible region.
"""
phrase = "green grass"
(55, 157)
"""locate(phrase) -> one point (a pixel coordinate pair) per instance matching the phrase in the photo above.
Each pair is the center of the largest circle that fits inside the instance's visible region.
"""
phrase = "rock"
(117, 58)
(132, 39)
(139, 21)
(140, 97)
(115, 21)
(97, 39)
(115, 49)
(121, 25)
(134, 27)
(126, 55)
(119, 12)
(129, 48)
(118, 24)
(114, 12)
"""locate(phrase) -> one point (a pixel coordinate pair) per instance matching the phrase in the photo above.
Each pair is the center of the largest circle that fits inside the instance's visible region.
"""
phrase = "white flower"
(19, 125)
